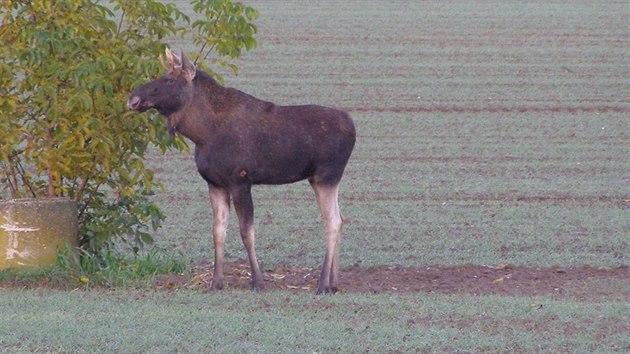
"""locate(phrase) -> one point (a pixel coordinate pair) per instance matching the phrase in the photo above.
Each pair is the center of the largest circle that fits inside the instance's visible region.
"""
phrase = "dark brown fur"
(241, 141)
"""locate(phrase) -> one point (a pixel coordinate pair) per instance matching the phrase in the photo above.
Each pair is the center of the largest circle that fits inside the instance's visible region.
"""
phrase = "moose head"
(170, 92)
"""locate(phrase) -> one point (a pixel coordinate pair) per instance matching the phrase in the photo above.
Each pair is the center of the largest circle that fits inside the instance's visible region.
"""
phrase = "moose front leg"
(220, 202)
(244, 206)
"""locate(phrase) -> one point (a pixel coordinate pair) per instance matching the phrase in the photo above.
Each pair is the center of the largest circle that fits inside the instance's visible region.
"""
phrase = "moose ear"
(171, 59)
(165, 63)
(188, 68)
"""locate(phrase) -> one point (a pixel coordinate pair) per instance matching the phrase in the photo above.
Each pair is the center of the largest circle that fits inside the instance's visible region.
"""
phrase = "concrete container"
(33, 230)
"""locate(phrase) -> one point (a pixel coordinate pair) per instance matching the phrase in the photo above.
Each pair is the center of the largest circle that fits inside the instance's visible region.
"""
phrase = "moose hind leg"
(327, 196)
(220, 202)
(334, 274)
(244, 206)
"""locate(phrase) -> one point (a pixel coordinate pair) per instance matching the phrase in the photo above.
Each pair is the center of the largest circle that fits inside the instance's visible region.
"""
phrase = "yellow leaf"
(500, 280)
(84, 279)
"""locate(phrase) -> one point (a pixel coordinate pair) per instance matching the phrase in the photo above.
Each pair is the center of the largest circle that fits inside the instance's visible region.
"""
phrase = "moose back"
(241, 141)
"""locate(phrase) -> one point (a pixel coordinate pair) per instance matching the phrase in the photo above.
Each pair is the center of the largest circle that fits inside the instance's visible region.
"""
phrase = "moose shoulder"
(241, 141)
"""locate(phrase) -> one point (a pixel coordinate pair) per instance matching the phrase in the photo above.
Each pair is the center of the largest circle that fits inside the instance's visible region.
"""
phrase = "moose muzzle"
(134, 103)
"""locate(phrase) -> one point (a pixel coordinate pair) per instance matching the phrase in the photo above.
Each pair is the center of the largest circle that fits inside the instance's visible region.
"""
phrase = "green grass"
(286, 322)
(441, 186)
(488, 132)
(420, 191)
(106, 269)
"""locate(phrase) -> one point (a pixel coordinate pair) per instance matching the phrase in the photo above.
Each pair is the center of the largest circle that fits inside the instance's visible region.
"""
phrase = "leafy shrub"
(66, 68)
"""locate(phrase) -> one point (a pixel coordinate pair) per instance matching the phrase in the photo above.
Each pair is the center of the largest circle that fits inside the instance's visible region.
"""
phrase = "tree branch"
(81, 189)
(22, 173)
(122, 17)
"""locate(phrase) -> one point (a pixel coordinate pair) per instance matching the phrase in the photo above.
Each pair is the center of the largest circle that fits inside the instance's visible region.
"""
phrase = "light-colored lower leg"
(334, 275)
(248, 240)
(220, 202)
(244, 207)
(327, 200)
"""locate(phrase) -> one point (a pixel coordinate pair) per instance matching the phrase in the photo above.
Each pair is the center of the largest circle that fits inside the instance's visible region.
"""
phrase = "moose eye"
(170, 81)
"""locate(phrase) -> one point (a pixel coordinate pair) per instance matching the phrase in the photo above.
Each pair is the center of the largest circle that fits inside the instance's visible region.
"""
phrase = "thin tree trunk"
(51, 179)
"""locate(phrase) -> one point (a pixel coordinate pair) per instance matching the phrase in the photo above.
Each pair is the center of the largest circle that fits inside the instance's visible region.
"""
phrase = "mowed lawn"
(488, 133)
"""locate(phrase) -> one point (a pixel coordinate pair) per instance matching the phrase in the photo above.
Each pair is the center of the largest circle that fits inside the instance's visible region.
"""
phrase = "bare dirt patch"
(583, 283)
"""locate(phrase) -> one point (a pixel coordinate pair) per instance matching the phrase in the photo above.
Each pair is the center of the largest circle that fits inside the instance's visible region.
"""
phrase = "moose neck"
(202, 117)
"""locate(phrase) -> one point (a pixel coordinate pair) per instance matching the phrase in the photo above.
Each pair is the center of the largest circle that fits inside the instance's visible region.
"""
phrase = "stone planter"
(32, 230)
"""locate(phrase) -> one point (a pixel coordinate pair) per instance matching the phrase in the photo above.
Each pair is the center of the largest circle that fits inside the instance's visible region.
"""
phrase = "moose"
(241, 141)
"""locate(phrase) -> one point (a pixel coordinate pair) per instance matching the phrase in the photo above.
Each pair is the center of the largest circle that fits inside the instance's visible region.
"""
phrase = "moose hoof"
(256, 287)
(327, 290)
(215, 286)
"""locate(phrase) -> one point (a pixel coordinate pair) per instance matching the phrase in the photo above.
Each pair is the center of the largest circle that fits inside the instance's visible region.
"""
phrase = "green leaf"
(251, 13)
